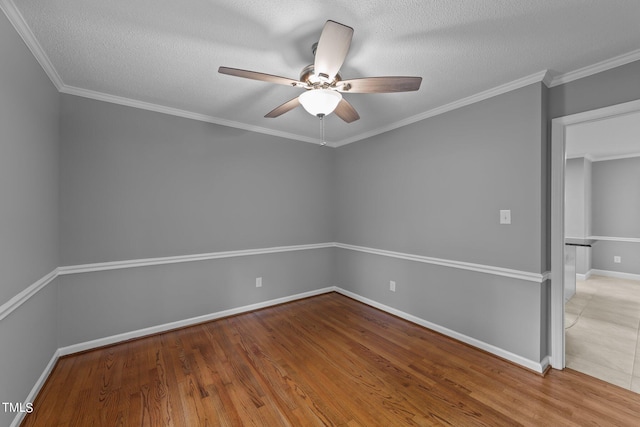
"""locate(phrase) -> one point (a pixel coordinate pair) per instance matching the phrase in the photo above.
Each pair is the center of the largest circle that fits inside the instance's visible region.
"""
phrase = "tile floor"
(602, 327)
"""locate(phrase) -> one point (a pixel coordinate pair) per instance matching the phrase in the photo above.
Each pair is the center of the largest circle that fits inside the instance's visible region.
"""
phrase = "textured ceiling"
(166, 53)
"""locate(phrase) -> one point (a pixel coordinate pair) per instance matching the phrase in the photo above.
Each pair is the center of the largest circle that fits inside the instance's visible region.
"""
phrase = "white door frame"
(558, 132)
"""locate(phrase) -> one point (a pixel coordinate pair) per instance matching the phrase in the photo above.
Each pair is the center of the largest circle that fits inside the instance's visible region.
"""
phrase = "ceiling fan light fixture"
(320, 101)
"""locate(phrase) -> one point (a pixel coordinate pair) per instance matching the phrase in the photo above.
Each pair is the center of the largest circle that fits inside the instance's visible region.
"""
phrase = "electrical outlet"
(617, 259)
(258, 282)
(392, 286)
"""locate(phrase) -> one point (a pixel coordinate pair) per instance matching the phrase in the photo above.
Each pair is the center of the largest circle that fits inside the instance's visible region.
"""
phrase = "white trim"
(610, 238)
(599, 114)
(497, 271)
(557, 358)
(116, 265)
(616, 157)
(22, 297)
(18, 22)
(15, 302)
(100, 96)
(539, 367)
(580, 156)
(36, 387)
(541, 76)
(490, 93)
(23, 29)
(616, 274)
(616, 239)
(596, 68)
(558, 152)
(585, 276)
(101, 342)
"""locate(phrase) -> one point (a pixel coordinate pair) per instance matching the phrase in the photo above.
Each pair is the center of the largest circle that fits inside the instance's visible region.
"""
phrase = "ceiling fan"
(322, 82)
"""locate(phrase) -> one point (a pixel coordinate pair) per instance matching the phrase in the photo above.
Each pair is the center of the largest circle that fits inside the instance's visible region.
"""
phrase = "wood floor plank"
(321, 361)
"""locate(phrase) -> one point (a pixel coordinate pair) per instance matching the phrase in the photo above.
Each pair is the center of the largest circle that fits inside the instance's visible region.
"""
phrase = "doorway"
(558, 156)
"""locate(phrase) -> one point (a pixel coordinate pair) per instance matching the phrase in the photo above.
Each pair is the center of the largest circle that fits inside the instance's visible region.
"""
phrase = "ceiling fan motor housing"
(308, 75)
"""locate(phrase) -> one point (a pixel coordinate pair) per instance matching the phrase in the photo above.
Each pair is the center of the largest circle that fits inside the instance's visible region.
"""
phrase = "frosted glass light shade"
(320, 101)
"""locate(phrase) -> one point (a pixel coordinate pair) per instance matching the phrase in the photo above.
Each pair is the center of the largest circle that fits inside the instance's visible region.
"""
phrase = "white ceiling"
(164, 54)
(615, 137)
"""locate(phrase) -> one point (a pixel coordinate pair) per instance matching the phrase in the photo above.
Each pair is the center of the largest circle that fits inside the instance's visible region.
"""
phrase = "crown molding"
(17, 20)
(599, 67)
(541, 76)
(114, 99)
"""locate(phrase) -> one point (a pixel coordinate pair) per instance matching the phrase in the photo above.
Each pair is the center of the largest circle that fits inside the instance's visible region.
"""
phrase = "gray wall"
(139, 184)
(28, 166)
(611, 87)
(575, 207)
(435, 188)
(102, 304)
(28, 215)
(616, 198)
(616, 213)
(629, 253)
(500, 311)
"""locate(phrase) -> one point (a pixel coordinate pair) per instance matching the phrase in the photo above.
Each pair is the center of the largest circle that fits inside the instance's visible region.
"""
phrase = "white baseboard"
(539, 367)
(617, 274)
(113, 339)
(36, 388)
(101, 342)
(585, 276)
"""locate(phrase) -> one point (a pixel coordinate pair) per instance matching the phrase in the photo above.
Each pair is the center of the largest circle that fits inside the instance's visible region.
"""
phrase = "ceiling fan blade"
(346, 112)
(280, 110)
(380, 84)
(258, 76)
(332, 49)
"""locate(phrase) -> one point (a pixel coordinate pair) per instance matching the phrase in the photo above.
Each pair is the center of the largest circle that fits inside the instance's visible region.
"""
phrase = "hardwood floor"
(326, 360)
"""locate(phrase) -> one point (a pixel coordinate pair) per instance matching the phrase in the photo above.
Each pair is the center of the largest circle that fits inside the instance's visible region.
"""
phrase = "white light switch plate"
(505, 216)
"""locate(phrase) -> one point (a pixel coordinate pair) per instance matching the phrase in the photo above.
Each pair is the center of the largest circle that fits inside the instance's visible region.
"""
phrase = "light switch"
(505, 216)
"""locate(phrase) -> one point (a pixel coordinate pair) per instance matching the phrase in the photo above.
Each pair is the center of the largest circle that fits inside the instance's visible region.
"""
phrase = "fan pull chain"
(324, 141)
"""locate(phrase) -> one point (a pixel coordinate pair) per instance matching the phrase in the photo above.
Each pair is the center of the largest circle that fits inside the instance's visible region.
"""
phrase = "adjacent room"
(602, 186)
(320, 213)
